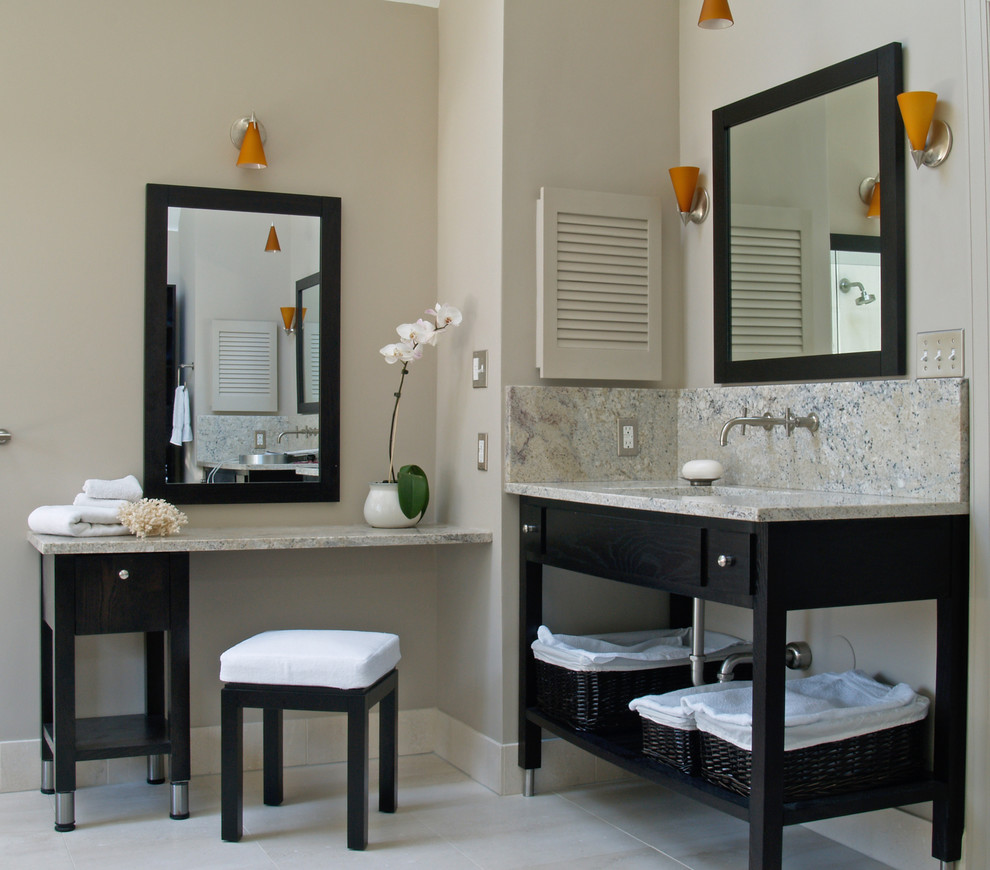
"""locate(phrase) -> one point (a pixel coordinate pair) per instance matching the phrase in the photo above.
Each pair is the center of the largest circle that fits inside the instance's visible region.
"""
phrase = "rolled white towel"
(83, 500)
(77, 521)
(127, 488)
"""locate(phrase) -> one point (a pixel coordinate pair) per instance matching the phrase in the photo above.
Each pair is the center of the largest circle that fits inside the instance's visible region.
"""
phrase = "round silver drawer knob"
(528, 528)
(123, 574)
(725, 561)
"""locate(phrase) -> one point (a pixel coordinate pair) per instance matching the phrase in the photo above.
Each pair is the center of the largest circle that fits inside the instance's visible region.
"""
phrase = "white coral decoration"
(151, 516)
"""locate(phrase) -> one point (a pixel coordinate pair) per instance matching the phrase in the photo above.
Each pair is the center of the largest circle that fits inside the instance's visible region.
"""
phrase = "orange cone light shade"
(252, 154)
(302, 316)
(874, 210)
(272, 244)
(685, 180)
(917, 109)
(288, 314)
(715, 15)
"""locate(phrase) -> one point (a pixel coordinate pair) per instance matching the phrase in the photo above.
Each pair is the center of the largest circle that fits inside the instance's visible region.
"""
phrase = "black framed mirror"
(224, 420)
(788, 165)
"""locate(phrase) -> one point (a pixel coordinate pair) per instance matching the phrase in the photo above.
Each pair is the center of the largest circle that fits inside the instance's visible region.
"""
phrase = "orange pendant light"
(248, 135)
(272, 243)
(874, 210)
(715, 15)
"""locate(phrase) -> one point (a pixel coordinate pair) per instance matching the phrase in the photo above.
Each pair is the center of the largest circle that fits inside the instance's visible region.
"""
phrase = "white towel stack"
(93, 512)
(819, 709)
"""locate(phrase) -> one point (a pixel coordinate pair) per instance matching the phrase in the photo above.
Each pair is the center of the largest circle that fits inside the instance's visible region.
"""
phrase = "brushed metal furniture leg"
(180, 800)
(156, 769)
(48, 776)
(65, 811)
(529, 783)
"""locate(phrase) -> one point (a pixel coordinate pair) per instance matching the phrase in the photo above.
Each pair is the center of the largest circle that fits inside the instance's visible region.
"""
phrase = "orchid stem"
(395, 421)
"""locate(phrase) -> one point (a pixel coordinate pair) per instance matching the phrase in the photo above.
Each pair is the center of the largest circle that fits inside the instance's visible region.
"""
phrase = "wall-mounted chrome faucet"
(789, 421)
(306, 430)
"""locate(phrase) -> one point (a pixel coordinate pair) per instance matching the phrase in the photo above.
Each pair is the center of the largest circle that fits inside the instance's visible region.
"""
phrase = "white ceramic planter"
(381, 508)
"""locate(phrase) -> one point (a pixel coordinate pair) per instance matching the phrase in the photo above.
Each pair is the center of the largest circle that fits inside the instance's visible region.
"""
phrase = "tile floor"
(445, 820)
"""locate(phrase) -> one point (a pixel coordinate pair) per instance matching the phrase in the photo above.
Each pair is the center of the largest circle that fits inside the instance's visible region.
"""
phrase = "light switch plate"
(479, 368)
(940, 354)
(482, 451)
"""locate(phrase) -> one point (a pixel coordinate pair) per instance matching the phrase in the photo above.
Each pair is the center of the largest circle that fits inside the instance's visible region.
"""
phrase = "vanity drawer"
(643, 551)
(729, 562)
(122, 593)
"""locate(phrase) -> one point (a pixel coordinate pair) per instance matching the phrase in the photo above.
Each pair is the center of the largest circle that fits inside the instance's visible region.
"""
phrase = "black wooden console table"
(770, 568)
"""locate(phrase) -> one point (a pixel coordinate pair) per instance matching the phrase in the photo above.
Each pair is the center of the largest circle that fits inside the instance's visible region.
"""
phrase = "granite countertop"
(193, 540)
(736, 502)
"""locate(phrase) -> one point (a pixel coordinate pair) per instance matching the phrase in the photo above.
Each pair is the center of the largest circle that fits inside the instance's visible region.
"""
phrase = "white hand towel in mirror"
(181, 418)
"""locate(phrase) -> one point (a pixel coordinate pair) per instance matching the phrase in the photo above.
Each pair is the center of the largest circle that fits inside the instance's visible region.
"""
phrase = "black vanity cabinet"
(770, 568)
(91, 594)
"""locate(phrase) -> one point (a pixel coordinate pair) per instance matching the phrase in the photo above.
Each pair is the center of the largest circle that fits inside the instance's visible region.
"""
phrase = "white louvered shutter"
(245, 366)
(598, 285)
(770, 305)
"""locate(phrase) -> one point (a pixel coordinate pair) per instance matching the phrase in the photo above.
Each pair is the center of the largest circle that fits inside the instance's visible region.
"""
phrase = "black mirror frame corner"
(158, 402)
(884, 64)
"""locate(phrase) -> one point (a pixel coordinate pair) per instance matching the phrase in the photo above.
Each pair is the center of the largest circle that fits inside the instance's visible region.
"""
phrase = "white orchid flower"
(394, 353)
(446, 315)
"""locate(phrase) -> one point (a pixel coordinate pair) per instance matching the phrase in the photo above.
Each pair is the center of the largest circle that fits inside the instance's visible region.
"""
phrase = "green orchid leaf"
(414, 491)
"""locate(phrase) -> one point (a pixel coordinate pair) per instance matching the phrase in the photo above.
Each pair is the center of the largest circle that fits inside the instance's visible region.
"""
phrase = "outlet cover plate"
(627, 436)
(940, 354)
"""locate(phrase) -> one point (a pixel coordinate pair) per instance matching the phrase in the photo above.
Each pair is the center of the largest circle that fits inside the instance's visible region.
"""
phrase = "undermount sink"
(265, 459)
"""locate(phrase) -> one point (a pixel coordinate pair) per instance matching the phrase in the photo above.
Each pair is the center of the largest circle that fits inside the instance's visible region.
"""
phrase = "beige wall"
(946, 279)
(103, 96)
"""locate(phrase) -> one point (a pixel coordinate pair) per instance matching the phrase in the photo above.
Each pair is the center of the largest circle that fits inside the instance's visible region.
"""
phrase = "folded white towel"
(78, 521)
(127, 488)
(819, 709)
(669, 709)
(181, 418)
(624, 651)
(84, 500)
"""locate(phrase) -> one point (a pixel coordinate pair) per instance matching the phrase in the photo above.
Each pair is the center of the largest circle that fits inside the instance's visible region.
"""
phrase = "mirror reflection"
(808, 268)
(241, 390)
(242, 334)
(795, 180)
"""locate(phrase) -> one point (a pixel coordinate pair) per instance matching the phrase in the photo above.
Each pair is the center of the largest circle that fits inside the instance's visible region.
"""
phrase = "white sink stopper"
(702, 472)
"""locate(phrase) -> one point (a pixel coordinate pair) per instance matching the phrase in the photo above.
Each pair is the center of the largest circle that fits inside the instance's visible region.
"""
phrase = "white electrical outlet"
(940, 354)
(628, 436)
(482, 451)
(259, 439)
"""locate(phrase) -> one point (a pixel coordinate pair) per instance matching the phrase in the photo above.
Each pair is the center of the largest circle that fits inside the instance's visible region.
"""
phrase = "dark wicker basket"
(675, 747)
(879, 758)
(599, 700)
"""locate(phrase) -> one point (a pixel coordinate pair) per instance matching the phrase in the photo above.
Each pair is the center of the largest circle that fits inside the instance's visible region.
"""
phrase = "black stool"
(327, 671)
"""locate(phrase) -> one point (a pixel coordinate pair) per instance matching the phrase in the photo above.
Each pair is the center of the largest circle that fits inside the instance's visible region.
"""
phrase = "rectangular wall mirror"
(241, 398)
(807, 286)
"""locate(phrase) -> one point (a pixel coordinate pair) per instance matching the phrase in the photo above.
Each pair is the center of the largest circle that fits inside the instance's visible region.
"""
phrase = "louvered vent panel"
(244, 366)
(603, 268)
(312, 364)
(597, 285)
(767, 299)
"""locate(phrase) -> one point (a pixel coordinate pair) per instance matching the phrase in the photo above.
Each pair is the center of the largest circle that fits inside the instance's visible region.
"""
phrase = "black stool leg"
(388, 751)
(231, 766)
(272, 758)
(357, 773)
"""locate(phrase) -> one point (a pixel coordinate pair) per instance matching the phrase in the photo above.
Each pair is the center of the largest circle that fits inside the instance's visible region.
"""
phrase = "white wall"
(102, 97)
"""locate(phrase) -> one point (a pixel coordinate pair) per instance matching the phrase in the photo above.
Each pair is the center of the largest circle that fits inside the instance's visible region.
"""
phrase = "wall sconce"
(248, 134)
(917, 110)
(692, 200)
(272, 243)
(288, 316)
(869, 192)
(715, 15)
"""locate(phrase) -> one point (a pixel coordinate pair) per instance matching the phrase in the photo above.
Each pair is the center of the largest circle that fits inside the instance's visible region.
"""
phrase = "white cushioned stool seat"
(334, 658)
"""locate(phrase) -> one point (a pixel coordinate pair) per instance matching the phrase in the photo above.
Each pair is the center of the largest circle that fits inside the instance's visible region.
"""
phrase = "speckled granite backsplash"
(907, 438)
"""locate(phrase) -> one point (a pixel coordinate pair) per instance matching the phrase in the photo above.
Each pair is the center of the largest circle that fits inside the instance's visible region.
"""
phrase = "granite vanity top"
(195, 540)
(736, 502)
